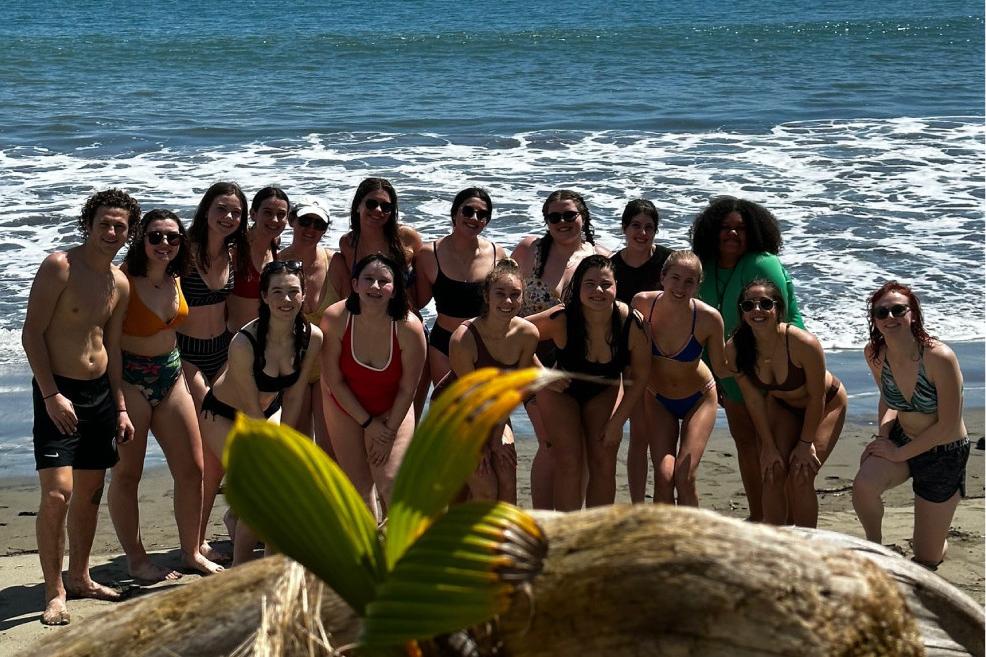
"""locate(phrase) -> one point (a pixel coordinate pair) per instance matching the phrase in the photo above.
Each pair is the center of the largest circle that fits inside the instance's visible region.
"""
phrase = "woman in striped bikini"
(921, 434)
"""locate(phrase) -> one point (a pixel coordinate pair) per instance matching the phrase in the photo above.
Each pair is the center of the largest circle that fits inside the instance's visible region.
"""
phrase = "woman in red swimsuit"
(497, 338)
(372, 359)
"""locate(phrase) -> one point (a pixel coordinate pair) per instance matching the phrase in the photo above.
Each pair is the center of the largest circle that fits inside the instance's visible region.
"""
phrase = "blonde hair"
(682, 258)
(504, 267)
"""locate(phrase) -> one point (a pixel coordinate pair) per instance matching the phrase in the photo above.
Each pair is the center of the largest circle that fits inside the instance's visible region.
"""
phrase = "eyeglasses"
(568, 216)
(897, 310)
(373, 204)
(468, 211)
(763, 303)
(156, 236)
(293, 266)
(310, 220)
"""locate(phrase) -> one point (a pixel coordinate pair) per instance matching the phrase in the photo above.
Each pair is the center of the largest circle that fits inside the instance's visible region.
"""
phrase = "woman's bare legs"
(384, 475)
(802, 498)
(695, 432)
(641, 441)
(123, 491)
(787, 430)
(176, 428)
(875, 476)
(664, 447)
(747, 453)
(565, 447)
(505, 467)
(314, 396)
(212, 469)
(347, 443)
(542, 468)
(600, 458)
(931, 523)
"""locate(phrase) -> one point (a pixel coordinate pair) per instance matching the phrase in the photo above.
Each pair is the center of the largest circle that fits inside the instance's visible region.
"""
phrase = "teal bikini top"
(925, 397)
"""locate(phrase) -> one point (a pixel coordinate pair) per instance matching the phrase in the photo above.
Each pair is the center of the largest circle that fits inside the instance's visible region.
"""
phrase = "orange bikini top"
(140, 321)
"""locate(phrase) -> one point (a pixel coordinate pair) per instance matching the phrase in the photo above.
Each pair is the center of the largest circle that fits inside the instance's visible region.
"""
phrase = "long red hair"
(877, 340)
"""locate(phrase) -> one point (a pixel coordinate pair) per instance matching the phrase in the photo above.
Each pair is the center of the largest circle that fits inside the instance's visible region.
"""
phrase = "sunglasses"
(897, 310)
(568, 216)
(373, 204)
(468, 212)
(156, 236)
(763, 303)
(292, 266)
(310, 220)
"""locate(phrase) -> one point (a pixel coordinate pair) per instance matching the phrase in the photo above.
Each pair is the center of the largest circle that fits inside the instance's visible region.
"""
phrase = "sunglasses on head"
(763, 303)
(293, 266)
(156, 236)
(373, 204)
(897, 310)
(568, 216)
(310, 220)
(468, 212)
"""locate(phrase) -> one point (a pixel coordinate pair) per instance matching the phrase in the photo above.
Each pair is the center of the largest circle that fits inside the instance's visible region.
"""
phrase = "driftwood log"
(641, 580)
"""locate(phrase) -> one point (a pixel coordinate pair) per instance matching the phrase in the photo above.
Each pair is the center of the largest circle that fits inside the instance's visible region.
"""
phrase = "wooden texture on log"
(618, 581)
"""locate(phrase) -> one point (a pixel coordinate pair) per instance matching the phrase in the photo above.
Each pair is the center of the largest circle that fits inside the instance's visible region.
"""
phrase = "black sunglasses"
(763, 303)
(373, 204)
(156, 236)
(468, 211)
(897, 310)
(293, 266)
(312, 220)
(568, 216)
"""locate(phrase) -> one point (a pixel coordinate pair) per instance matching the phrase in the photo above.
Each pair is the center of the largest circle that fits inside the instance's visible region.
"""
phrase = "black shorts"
(440, 338)
(93, 445)
(940, 471)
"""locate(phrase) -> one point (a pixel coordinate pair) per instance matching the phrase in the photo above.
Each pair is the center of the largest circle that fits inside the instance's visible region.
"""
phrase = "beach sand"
(22, 594)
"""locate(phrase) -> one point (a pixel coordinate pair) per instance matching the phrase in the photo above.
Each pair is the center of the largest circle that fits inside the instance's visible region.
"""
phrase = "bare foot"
(147, 571)
(214, 555)
(200, 564)
(55, 613)
(91, 589)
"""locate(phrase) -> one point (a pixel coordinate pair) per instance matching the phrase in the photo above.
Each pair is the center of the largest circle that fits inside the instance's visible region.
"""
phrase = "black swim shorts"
(93, 445)
(939, 472)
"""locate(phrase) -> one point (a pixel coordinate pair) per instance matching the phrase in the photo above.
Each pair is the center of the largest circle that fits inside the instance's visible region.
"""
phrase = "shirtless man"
(71, 338)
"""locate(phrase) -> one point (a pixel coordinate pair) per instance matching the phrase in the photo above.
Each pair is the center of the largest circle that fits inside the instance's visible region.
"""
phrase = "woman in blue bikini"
(681, 407)
(921, 434)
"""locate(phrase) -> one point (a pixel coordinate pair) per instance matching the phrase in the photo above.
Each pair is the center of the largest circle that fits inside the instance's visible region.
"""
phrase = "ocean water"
(859, 124)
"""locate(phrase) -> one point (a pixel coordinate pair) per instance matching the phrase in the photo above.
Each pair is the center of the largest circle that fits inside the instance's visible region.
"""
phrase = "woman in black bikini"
(497, 338)
(270, 360)
(597, 336)
(218, 228)
(452, 270)
(797, 406)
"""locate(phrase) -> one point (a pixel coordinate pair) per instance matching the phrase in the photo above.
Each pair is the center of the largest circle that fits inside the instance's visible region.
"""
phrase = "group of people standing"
(198, 325)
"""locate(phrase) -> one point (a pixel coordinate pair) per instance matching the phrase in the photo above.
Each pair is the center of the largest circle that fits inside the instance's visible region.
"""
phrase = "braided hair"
(544, 244)
(302, 329)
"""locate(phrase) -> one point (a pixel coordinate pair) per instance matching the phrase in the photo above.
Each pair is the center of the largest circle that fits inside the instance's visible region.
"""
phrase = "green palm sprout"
(435, 569)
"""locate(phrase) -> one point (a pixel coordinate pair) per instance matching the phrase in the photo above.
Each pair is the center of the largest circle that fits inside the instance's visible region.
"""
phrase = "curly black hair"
(109, 198)
(762, 232)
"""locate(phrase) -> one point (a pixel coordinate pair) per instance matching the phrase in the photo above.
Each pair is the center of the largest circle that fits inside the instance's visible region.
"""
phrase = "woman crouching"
(371, 364)
(270, 360)
(797, 406)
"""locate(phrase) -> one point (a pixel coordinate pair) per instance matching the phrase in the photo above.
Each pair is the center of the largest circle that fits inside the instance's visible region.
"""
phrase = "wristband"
(47, 397)
(807, 442)
(369, 419)
(121, 410)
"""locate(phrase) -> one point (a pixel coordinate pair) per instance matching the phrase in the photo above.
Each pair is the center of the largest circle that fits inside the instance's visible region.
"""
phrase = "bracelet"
(121, 410)
(807, 442)
(47, 397)
(369, 419)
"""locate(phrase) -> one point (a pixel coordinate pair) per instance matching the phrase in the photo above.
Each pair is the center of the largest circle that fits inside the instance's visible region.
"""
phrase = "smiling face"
(284, 295)
(164, 232)
(376, 209)
(471, 217)
(225, 214)
(505, 296)
(890, 303)
(732, 236)
(109, 229)
(374, 284)
(565, 232)
(598, 288)
(271, 216)
(640, 232)
(681, 281)
(758, 315)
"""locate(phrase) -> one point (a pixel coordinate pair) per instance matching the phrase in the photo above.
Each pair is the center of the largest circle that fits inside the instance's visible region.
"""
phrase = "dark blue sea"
(860, 124)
